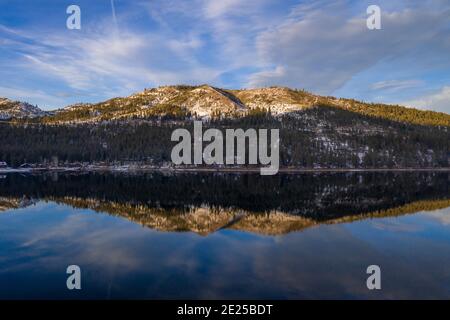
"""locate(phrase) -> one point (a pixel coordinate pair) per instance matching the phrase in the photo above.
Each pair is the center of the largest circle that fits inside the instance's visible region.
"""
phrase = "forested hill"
(315, 131)
(210, 102)
(320, 137)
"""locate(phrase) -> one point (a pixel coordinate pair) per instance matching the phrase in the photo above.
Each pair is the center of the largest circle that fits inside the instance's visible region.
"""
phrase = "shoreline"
(126, 169)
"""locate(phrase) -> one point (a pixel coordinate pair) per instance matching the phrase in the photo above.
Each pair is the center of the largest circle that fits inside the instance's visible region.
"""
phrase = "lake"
(225, 235)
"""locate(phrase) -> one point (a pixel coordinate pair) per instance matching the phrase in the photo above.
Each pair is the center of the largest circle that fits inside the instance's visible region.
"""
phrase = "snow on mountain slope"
(205, 101)
(15, 109)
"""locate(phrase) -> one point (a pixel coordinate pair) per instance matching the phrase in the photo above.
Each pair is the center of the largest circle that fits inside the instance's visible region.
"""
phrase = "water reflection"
(201, 242)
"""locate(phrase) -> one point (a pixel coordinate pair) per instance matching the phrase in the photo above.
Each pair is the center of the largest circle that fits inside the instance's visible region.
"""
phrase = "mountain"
(19, 110)
(210, 102)
(315, 131)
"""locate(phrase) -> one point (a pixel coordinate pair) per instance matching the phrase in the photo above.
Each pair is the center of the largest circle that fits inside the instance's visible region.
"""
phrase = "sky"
(321, 46)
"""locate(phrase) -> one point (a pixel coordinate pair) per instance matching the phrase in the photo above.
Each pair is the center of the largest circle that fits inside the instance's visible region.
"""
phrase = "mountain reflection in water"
(223, 235)
(205, 203)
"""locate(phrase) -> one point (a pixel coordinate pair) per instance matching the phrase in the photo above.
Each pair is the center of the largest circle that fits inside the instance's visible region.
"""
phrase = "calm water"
(225, 235)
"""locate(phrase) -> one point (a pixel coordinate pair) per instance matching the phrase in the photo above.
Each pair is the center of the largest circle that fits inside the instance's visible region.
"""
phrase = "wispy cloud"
(111, 63)
(113, 12)
(321, 50)
(322, 46)
(396, 85)
(27, 95)
(438, 101)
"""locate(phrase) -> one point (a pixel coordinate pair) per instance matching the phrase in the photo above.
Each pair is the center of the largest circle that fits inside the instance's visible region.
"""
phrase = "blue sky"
(321, 46)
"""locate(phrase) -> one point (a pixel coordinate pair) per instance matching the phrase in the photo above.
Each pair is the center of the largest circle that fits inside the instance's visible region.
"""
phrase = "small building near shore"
(3, 164)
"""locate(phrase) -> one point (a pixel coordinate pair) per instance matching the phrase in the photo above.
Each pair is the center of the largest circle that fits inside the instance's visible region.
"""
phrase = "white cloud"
(217, 8)
(224, 31)
(113, 63)
(26, 95)
(214, 9)
(318, 45)
(442, 215)
(396, 85)
(321, 50)
(438, 101)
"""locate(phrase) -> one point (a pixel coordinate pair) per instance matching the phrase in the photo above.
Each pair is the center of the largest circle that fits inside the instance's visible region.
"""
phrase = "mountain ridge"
(205, 101)
(16, 109)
